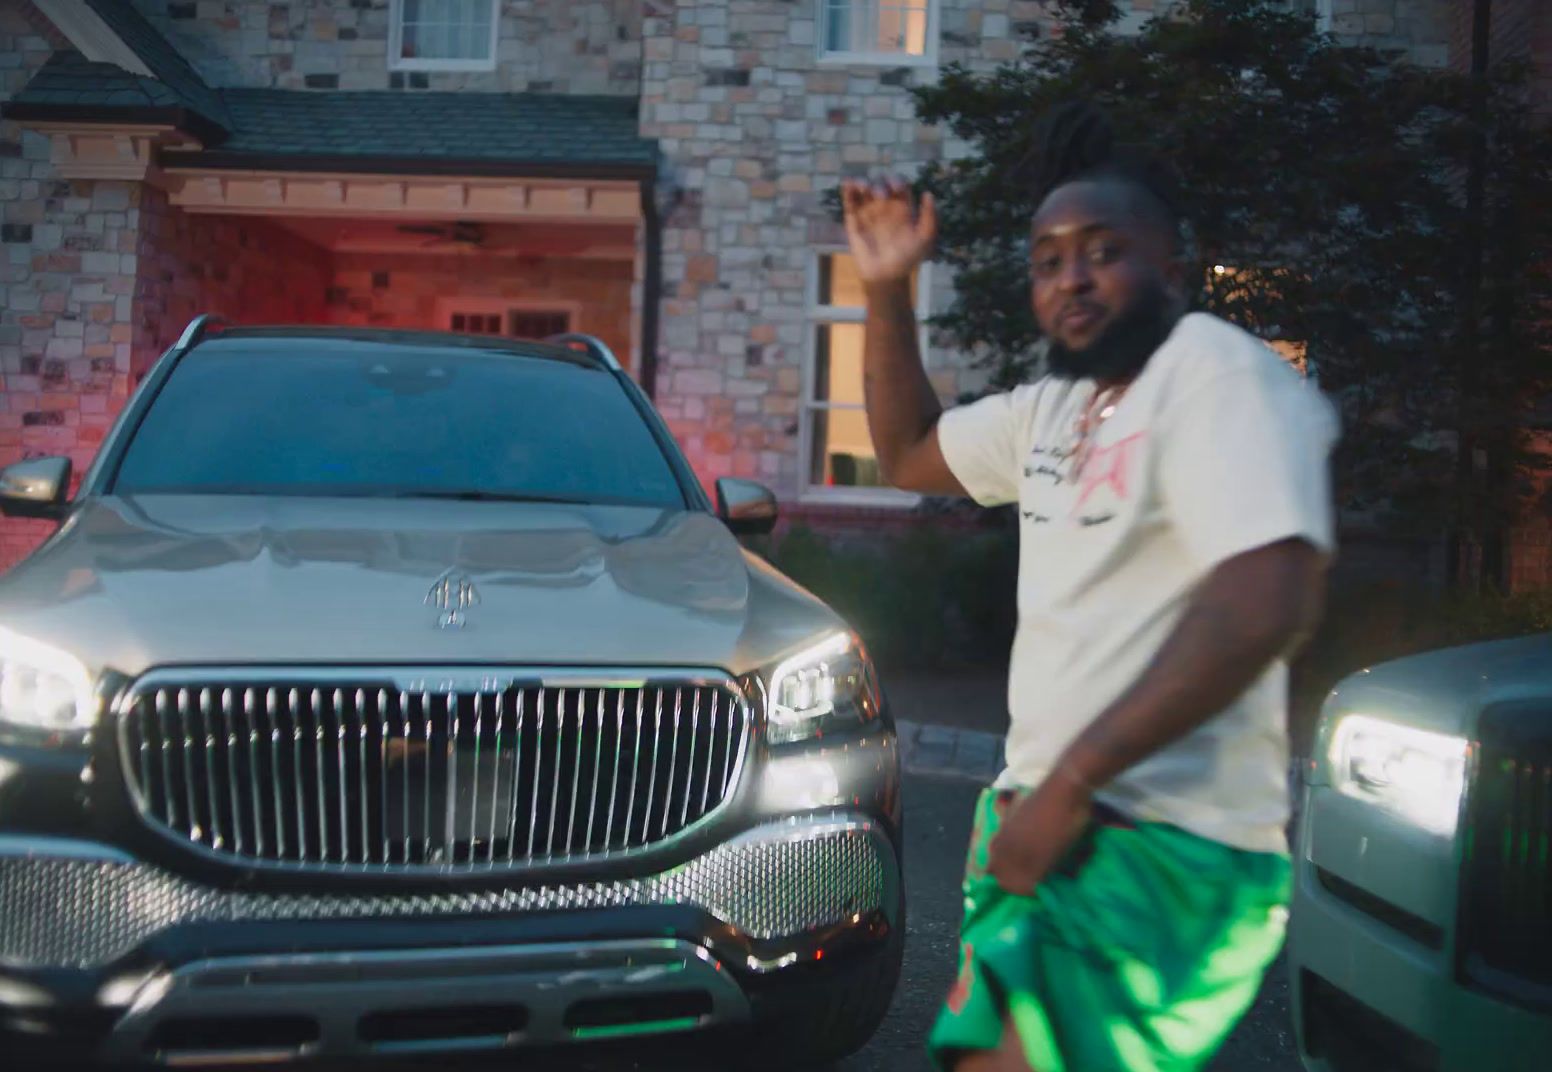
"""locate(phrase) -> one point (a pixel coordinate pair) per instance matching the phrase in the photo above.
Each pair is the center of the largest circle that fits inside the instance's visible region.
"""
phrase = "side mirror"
(748, 508)
(35, 488)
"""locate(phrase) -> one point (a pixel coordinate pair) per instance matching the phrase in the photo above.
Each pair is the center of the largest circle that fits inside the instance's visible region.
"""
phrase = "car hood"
(129, 584)
(1446, 690)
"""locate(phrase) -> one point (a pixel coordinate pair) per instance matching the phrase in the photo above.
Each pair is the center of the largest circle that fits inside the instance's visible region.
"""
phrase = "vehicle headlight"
(42, 687)
(1415, 774)
(822, 687)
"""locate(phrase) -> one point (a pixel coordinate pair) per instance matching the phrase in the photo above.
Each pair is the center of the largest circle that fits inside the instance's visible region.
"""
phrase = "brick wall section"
(552, 46)
(1520, 30)
(246, 269)
(1420, 28)
(65, 288)
(385, 291)
(754, 130)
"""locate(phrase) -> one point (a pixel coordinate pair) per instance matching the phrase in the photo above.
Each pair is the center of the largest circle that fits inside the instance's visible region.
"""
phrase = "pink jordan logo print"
(1107, 467)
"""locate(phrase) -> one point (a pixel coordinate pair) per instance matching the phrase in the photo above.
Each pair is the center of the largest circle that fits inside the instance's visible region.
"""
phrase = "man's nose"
(1075, 277)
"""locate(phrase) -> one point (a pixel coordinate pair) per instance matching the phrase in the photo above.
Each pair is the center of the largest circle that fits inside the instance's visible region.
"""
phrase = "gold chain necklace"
(1096, 412)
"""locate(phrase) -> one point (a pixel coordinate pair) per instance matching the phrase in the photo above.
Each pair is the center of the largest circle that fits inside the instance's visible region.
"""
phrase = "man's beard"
(1124, 347)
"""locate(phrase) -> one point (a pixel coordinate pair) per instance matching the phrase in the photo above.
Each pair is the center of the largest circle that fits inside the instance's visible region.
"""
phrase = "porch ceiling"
(406, 237)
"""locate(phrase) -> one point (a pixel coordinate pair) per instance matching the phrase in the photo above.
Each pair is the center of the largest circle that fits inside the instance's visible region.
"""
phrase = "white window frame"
(815, 315)
(397, 61)
(504, 307)
(852, 58)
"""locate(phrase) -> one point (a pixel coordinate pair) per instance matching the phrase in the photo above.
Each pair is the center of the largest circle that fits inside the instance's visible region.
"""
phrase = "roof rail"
(591, 343)
(198, 328)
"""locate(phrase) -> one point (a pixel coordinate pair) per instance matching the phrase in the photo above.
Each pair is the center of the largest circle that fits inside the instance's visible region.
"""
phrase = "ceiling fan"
(459, 232)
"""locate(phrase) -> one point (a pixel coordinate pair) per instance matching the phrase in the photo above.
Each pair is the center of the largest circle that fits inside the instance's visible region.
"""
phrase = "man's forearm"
(1245, 616)
(902, 406)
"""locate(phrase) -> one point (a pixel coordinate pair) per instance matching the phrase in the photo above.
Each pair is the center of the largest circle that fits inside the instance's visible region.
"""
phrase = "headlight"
(1412, 773)
(43, 688)
(824, 686)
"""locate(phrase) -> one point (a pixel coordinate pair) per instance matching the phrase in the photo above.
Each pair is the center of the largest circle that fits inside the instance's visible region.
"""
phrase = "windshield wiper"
(477, 495)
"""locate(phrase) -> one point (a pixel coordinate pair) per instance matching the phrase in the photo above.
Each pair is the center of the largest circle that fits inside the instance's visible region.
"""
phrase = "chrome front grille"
(427, 771)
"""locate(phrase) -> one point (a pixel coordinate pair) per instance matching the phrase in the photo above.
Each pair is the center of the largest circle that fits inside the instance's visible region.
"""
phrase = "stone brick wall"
(246, 269)
(754, 129)
(66, 280)
(560, 46)
(397, 291)
(1420, 28)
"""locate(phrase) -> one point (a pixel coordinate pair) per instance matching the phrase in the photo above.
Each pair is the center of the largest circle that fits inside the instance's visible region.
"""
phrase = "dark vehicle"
(385, 692)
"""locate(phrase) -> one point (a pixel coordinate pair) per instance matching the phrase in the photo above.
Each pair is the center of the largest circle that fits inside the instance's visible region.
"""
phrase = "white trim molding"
(108, 150)
(92, 37)
(279, 193)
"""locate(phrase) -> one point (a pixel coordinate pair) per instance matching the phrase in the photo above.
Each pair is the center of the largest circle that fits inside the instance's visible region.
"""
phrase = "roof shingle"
(68, 79)
(495, 128)
(163, 61)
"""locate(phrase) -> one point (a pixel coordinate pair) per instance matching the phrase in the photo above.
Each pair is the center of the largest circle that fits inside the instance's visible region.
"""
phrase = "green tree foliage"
(1329, 181)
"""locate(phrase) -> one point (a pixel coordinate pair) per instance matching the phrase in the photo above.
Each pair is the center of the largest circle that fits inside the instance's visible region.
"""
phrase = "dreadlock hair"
(1075, 141)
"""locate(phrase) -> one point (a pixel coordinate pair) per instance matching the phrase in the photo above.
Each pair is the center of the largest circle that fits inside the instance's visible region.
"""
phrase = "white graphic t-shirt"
(1217, 448)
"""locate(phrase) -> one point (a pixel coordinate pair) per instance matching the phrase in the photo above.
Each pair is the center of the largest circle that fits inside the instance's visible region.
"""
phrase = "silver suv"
(392, 692)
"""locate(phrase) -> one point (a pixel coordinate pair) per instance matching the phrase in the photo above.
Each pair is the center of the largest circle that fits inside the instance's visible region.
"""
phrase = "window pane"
(837, 26)
(839, 285)
(902, 27)
(446, 29)
(843, 450)
(343, 419)
(838, 363)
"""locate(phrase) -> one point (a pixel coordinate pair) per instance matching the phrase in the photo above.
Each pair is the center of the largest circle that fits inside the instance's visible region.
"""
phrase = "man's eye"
(1047, 265)
(1104, 253)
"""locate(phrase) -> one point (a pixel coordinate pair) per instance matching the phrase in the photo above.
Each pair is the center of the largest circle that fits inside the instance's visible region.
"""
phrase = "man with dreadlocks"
(1128, 873)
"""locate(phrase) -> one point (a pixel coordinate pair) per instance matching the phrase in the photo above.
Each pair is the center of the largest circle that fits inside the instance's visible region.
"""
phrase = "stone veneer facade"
(753, 126)
(544, 46)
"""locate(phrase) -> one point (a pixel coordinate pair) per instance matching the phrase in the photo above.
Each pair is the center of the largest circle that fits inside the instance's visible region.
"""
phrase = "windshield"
(352, 418)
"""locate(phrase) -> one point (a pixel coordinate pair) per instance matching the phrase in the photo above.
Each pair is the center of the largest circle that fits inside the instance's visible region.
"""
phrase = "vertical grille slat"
(689, 779)
(517, 779)
(533, 807)
(598, 754)
(382, 772)
(363, 786)
(710, 753)
(576, 774)
(206, 750)
(319, 772)
(272, 708)
(474, 788)
(554, 776)
(250, 714)
(495, 787)
(614, 777)
(195, 831)
(450, 811)
(233, 776)
(657, 747)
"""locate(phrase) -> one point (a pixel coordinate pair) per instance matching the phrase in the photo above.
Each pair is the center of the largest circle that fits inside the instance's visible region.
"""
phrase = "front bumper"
(126, 960)
(1371, 956)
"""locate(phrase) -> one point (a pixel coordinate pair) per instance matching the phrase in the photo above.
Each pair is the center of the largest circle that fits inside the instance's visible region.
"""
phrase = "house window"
(838, 450)
(878, 31)
(537, 323)
(513, 322)
(443, 35)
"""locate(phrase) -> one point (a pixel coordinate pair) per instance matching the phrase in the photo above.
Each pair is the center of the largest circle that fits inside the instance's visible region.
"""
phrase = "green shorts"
(1139, 954)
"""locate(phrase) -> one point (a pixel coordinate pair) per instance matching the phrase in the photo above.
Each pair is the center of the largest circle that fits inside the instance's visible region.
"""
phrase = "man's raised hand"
(889, 234)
